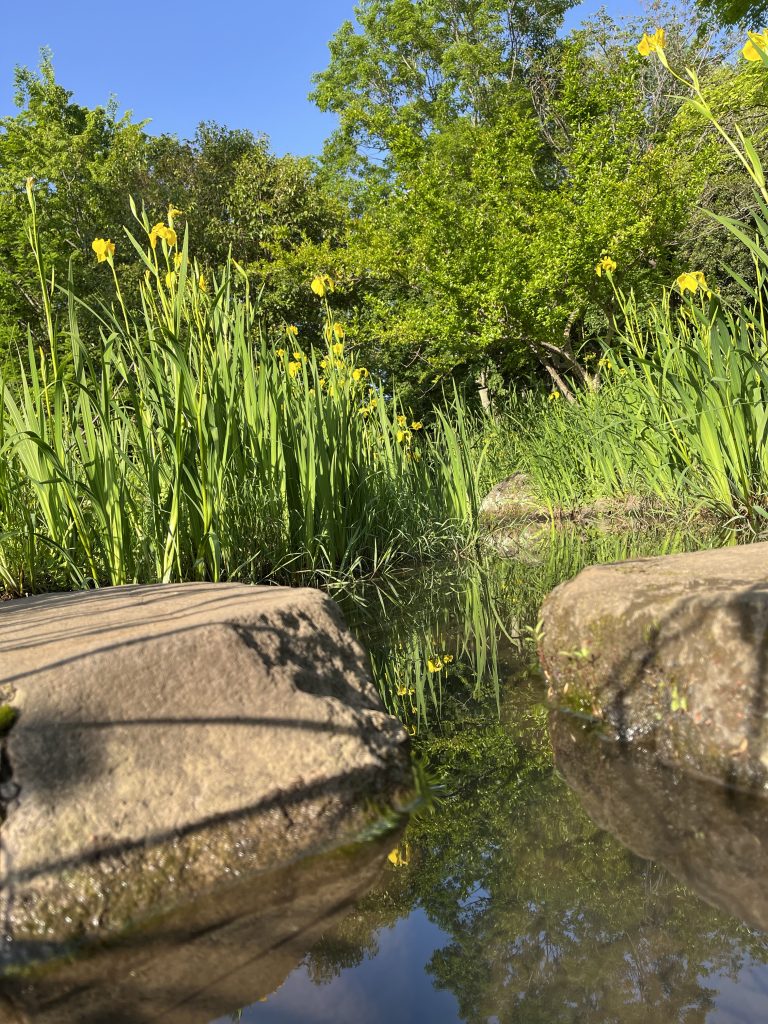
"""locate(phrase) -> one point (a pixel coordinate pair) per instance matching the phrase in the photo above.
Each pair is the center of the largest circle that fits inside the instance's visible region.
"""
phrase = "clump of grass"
(185, 445)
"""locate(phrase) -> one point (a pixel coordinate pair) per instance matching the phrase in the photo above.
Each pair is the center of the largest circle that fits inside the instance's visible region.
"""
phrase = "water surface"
(509, 903)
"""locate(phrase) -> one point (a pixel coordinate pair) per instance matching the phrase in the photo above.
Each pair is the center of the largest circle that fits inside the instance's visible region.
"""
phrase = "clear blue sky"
(244, 63)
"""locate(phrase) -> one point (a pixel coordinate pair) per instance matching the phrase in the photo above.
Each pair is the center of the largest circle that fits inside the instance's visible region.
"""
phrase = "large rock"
(671, 652)
(173, 737)
(512, 500)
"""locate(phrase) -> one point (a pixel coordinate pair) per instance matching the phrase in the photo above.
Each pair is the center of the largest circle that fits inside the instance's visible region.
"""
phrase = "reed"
(180, 443)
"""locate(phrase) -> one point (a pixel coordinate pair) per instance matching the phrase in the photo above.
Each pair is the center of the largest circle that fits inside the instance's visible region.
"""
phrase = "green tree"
(493, 172)
(83, 163)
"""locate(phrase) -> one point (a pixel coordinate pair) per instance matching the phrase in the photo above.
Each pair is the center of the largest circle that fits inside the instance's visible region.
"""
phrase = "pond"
(506, 901)
(547, 877)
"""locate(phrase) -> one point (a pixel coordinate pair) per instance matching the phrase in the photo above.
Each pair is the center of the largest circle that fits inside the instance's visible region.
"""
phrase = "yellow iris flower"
(756, 46)
(652, 44)
(161, 230)
(104, 248)
(691, 281)
(605, 266)
(322, 283)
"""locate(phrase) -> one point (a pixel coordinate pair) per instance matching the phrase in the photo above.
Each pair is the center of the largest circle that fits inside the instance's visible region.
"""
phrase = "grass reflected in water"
(507, 897)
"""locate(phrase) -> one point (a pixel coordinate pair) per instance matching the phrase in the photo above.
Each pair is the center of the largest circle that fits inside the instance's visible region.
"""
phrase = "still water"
(555, 880)
(550, 878)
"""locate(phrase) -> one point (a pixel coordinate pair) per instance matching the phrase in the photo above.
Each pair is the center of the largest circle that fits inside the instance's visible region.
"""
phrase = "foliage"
(188, 447)
(269, 211)
(490, 185)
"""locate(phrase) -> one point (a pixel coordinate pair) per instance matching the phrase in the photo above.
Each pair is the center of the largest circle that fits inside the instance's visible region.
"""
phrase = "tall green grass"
(181, 444)
(681, 413)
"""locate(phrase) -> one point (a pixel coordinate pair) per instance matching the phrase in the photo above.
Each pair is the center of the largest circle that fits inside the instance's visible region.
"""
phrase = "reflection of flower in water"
(400, 857)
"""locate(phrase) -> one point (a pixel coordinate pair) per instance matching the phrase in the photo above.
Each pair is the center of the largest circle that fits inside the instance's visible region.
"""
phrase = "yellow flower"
(398, 858)
(323, 364)
(170, 279)
(173, 212)
(434, 664)
(338, 348)
(402, 435)
(338, 330)
(401, 421)
(104, 248)
(417, 425)
(293, 368)
(756, 46)
(177, 260)
(652, 44)
(553, 395)
(202, 284)
(156, 233)
(279, 352)
(160, 230)
(447, 659)
(359, 373)
(321, 284)
(691, 281)
(292, 330)
(298, 355)
(606, 265)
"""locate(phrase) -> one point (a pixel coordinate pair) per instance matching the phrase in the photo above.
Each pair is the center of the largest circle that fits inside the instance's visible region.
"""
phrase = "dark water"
(509, 902)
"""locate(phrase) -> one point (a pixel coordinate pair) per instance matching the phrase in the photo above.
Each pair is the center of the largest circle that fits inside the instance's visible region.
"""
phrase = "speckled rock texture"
(671, 653)
(173, 737)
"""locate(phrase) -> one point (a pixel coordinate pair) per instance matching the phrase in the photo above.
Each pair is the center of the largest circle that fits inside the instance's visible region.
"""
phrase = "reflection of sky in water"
(393, 986)
(740, 1001)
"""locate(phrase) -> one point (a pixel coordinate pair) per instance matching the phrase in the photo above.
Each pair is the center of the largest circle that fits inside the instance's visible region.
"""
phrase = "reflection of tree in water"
(550, 919)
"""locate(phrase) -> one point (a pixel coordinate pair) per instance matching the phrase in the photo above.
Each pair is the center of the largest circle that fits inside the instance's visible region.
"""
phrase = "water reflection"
(506, 905)
(713, 838)
(509, 904)
(230, 947)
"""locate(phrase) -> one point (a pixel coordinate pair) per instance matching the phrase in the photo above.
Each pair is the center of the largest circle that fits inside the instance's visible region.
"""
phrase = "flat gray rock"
(670, 652)
(171, 737)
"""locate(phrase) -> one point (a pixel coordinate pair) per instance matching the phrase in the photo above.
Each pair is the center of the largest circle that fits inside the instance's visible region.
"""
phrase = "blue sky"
(244, 63)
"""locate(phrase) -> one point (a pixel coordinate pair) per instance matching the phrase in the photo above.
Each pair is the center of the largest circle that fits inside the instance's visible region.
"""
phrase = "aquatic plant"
(184, 444)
